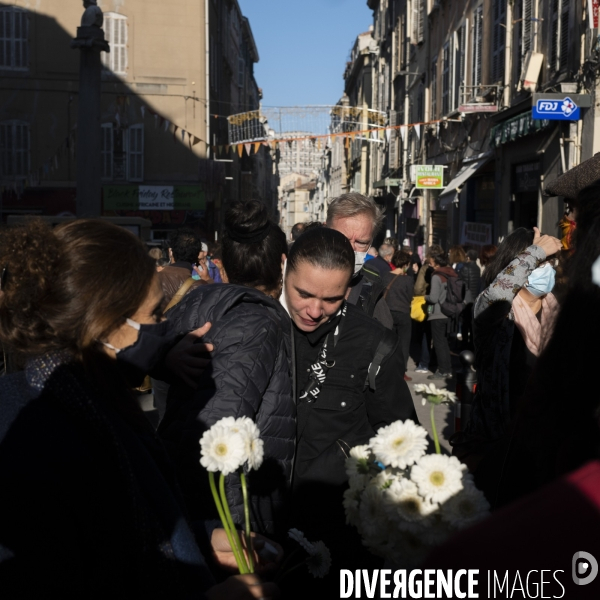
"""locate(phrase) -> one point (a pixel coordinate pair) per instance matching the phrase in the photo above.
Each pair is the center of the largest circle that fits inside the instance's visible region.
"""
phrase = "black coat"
(471, 275)
(347, 412)
(250, 376)
(88, 503)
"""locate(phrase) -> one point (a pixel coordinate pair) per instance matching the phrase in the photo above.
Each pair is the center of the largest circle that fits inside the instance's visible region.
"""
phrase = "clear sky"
(303, 47)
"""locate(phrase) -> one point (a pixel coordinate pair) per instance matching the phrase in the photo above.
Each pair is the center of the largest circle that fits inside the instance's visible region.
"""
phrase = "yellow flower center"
(221, 449)
(398, 442)
(437, 478)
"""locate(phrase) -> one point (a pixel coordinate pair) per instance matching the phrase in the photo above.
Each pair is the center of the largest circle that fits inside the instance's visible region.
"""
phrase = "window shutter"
(446, 79)
(526, 15)
(555, 35)
(564, 34)
(477, 48)
(422, 17)
(434, 75)
(135, 153)
(498, 41)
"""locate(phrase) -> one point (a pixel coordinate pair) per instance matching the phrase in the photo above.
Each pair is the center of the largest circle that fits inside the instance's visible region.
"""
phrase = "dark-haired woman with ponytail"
(89, 505)
(250, 373)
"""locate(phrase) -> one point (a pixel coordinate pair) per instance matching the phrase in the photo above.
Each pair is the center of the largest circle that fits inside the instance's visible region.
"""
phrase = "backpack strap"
(180, 293)
(386, 345)
(389, 285)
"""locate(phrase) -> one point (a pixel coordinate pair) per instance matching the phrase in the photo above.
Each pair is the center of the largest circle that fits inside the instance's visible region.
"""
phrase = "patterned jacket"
(493, 329)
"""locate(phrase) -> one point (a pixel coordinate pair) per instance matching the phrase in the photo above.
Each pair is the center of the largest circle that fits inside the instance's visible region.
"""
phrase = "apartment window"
(446, 79)
(498, 40)
(559, 50)
(459, 50)
(14, 149)
(115, 29)
(477, 47)
(14, 39)
(434, 76)
(122, 153)
(418, 21)
(135, 153)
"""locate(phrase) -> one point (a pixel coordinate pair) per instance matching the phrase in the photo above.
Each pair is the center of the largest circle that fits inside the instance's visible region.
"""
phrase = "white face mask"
(359, 261)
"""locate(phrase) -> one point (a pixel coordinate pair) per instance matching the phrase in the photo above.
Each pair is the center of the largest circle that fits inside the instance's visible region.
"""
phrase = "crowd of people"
(310, 338)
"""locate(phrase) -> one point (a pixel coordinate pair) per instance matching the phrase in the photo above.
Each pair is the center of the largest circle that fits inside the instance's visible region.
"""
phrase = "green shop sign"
(154, 197)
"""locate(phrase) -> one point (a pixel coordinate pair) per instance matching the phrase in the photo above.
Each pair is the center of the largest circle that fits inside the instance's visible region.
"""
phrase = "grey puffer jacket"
(250, 375)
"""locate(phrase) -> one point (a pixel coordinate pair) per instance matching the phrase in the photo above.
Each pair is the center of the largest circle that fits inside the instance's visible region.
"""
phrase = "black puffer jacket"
(250, 376)
(471, 275)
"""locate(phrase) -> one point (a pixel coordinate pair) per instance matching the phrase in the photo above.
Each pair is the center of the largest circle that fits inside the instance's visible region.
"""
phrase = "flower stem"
(234, 533)
(433, 428)
(225, 522)
(247, 516)
(280, 577)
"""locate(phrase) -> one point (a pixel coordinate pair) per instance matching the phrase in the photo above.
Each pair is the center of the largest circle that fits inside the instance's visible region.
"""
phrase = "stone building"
(160, 85)
(457, 83)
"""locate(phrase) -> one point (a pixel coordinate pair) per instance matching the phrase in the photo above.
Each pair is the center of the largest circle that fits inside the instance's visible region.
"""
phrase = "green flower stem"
(435, 435)
(247, 515)
(225, 522)
(234, 532)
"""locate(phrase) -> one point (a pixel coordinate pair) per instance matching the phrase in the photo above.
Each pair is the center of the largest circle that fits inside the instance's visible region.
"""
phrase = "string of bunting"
(376, 134)
(161, 122)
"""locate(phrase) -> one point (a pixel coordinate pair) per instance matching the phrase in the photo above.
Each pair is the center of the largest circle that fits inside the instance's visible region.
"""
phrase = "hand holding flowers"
(232, 445)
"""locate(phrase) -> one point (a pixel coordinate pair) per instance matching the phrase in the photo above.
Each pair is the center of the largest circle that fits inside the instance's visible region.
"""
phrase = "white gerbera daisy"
(298, 536)
(400, 444)
(319, 561)
(358, 463)
(465, 508)
(402, 501)
(221, 450)
(438, 477)
(384, 479)
(250, 433)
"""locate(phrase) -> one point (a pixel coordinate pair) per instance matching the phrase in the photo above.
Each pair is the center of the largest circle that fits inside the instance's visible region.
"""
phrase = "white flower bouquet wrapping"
(229, 446)
(403, 501)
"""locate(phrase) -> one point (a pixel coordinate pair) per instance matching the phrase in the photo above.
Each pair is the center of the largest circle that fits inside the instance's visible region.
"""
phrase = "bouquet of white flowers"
(403, 501)
(232, 445)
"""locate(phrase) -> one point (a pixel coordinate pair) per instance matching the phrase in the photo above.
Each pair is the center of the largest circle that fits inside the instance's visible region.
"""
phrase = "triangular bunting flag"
(403, 131)
(248, 148)
(256, 147)
(167, 124)
(347, 142)
(388, 133)
(240, 150)
(196, 141)
(175, 128)
(381, 133)
(418, 131)
(374, 134)
(220, 148)
(143, 111)
(183, 136)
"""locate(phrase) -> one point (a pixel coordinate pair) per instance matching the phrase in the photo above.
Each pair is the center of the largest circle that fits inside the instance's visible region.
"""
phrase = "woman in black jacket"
(349, 383)
(89, 506)
(250, 374)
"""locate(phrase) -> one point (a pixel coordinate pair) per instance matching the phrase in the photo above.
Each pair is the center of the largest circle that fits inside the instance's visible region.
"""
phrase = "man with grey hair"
(382, 262)
(359, 219)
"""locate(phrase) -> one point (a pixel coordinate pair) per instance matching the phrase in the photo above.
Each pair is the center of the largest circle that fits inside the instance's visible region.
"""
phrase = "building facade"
(456, 81)
(159, 112)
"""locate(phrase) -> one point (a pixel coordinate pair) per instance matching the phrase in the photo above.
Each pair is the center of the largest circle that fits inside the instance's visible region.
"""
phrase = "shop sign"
(429, 177)
(478, 107)
(154, 197)
(556, 110)
(476, 234)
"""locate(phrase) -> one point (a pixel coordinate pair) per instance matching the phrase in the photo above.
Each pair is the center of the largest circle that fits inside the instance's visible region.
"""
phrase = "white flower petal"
(399, 444)
(438, 477)
(298, 536)
(221, 450)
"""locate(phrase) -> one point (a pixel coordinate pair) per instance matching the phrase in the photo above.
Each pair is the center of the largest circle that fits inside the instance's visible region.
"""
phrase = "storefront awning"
(452, 190)
(515, 128)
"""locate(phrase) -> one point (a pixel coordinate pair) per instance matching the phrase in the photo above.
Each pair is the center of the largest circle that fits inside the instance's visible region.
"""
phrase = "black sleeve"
(391, 401)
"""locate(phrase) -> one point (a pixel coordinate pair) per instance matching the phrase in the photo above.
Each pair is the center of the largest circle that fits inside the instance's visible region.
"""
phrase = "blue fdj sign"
(557, 110)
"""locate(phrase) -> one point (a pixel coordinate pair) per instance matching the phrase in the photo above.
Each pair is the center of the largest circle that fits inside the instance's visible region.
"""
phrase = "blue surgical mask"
(541, 281)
